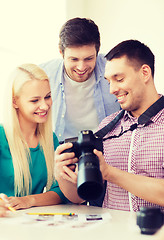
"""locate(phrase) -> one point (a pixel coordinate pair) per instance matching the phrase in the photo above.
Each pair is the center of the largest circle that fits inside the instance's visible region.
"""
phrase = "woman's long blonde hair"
(18, 147)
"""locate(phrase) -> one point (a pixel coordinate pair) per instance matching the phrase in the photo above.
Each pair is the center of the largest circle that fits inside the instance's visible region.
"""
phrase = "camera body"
(89, 181)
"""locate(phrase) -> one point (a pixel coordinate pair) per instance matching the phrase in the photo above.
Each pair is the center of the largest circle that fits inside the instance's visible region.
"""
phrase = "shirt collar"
(128, 116)
(99, 68)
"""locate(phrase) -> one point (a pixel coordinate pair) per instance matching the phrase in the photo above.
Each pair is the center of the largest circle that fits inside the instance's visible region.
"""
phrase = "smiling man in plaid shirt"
(132, 163)
(134, 159)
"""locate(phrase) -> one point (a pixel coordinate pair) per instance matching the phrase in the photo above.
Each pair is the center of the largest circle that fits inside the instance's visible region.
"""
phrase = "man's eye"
(120, 80)
(34, 101)
(89, 59)
(74, 59)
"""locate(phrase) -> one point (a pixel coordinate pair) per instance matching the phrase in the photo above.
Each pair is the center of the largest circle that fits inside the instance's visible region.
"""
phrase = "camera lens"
(149, 219)
(89, 182)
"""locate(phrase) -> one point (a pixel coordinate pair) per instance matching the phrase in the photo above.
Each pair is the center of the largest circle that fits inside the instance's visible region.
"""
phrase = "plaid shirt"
(139, 152)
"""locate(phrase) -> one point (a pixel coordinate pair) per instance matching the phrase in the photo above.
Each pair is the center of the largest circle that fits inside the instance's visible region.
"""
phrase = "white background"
(29, 29)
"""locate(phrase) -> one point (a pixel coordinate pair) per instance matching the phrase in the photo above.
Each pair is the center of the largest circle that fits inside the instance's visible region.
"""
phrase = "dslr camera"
(89, 181)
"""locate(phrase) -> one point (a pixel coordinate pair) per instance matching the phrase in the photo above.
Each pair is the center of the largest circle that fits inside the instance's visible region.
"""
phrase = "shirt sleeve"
(55, 188)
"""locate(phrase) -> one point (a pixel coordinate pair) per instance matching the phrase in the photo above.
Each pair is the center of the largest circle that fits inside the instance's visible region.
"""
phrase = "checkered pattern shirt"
(139, 152)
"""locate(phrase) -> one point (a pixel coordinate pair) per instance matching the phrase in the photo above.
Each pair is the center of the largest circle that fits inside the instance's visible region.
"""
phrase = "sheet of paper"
(59, 221)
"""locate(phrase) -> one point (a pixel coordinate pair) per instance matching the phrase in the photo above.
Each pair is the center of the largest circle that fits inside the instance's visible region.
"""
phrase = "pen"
(10, 208)
(51, 214)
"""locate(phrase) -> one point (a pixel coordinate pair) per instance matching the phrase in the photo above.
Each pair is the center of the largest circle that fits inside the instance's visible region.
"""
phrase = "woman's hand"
(21, 202)
(3, 205)
(65, 164)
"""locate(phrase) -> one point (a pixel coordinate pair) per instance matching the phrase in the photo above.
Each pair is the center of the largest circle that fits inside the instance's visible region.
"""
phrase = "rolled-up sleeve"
(55, 188)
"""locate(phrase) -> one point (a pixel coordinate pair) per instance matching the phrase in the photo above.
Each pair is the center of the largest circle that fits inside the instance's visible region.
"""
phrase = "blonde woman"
(27, 142)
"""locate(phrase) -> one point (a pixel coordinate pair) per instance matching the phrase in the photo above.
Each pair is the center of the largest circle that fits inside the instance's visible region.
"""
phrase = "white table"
(122, 225)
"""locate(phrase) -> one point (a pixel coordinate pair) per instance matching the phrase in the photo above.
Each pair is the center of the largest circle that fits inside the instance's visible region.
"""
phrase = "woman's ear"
(15, 103)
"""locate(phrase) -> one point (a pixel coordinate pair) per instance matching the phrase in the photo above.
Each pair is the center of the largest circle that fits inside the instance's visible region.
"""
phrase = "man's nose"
(113, 87)
(81, 66)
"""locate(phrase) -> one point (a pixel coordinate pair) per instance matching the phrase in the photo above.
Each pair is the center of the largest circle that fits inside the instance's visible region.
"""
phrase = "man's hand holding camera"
(104, 167)
(88, 181)
(65, 164)
(66, 172)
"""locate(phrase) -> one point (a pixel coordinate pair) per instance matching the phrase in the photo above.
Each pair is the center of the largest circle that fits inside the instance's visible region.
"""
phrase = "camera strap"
(142, 120)
(102, 132)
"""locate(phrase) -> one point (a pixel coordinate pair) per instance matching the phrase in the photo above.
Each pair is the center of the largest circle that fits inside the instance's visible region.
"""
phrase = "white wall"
(28, 33)
(29, 29)
(119, 20)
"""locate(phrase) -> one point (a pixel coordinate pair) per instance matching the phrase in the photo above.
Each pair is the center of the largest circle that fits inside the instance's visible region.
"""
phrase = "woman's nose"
(44, 105)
